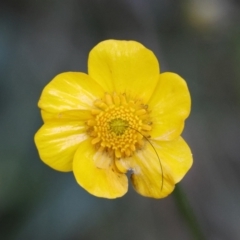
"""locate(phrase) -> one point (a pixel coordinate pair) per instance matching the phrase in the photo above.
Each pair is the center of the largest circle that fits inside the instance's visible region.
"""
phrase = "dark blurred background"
(198, 39)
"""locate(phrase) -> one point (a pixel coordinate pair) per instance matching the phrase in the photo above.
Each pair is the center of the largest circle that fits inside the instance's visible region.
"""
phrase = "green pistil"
(118, 126)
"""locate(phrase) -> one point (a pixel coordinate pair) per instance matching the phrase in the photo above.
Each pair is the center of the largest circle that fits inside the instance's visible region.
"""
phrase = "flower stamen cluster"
(118, 125)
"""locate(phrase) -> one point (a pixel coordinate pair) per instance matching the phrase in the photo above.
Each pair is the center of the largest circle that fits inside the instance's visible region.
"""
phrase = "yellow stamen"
(116, 99)
(96, 140)
(123, 99)
(108, 99)
(141, 112)
(91, 122)
(146, 127)
(118, 125)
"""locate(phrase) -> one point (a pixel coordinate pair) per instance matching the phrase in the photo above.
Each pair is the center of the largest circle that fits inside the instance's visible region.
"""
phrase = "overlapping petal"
(175, 158)
(170, 106)
(57, 143)
(69, 91)
(124, 67)
(147, 173)
(106, 182)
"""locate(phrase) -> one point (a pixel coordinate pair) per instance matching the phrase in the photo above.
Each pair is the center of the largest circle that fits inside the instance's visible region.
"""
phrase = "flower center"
(119, 125)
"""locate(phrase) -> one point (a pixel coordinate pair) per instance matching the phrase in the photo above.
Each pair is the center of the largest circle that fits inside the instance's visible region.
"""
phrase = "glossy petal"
(124, 67)
(107, 182)
(176, 160)
(176, 155)
(147, 175)
(78, 115)
(170, 106)
(57, 143)
(69, 91)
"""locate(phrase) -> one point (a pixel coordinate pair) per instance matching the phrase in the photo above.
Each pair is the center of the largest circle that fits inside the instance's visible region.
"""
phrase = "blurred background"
(199, 40)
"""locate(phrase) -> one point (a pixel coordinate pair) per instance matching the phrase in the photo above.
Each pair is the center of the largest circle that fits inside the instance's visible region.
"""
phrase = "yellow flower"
(121, 116)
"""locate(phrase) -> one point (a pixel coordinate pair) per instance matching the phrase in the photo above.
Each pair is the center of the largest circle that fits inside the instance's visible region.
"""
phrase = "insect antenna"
(160, 163)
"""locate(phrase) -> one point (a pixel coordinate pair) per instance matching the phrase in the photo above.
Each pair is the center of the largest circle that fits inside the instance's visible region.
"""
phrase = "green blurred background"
(198, 39)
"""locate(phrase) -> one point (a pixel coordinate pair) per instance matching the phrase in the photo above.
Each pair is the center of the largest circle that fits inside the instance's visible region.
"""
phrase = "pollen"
(119, 125)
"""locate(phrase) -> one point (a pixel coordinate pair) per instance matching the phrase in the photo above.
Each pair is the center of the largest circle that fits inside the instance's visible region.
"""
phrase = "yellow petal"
(57, 143)
(170, 105)
(124, 67)
(102, 160)
(147, 174)
(151, 186)
(175, 158)
(106, 183)
(69, 91)
(78, 115)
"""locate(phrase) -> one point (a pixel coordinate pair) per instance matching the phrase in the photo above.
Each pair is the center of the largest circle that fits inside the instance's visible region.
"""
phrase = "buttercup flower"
(122, 116)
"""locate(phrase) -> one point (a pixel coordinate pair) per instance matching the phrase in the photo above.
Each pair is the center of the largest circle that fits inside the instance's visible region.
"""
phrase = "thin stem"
(187, 213)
